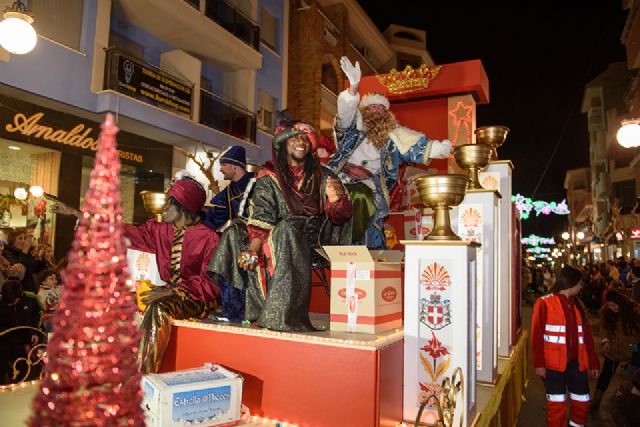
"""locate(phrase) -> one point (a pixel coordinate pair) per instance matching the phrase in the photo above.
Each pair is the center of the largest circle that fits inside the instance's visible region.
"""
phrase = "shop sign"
(635, 233)
(80, 136)
(153, 86)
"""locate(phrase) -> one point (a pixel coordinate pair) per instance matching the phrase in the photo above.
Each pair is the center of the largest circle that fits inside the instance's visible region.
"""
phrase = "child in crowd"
(563, 350)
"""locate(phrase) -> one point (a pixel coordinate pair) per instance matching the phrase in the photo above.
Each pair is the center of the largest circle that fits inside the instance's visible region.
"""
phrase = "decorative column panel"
(498, 176)
(461, 122)
(439, 322)
(476, 220)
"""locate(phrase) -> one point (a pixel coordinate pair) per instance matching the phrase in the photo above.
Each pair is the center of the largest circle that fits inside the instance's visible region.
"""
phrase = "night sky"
(538, 57)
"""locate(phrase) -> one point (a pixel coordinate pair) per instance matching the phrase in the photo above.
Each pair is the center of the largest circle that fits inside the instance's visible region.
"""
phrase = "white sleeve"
(347, 108)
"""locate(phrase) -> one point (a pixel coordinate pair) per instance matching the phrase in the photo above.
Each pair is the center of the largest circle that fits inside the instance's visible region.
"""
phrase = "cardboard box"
(412, 218)
(366, 289)
(207, 396)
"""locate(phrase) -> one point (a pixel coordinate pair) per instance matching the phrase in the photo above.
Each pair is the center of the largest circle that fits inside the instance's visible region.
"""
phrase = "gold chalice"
(441, 192)
(493, 136)
(153, 202)
(473, 158)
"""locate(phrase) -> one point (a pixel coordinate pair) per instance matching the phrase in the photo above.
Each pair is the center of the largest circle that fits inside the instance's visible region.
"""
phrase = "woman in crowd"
(563, 350)
(18, 251)
(44, 256)
(620, 330)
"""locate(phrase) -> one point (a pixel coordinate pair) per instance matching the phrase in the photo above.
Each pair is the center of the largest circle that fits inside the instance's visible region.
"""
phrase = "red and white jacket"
(559, 334)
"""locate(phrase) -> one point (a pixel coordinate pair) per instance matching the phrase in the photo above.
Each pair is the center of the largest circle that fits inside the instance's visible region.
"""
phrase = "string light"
(534, 240)
(538, 250)
(525, 205)
(271, 422)
(379, 341)
(18, 386)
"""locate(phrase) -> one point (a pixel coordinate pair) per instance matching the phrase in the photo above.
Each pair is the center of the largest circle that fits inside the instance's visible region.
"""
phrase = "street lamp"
(580, 235)
(16, 31)
(629, 133)
(566, 235)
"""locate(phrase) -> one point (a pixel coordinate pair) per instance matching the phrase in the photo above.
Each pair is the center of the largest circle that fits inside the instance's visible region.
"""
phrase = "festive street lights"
(16, 31)
(629, 133)
(565, 235)
(580, 235)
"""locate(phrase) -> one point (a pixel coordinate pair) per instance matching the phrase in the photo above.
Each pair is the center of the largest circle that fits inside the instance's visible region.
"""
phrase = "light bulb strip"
(374, 344)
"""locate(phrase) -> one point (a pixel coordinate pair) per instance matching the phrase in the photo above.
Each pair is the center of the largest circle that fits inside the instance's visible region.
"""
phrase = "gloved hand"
(440, 149)
(352, 72)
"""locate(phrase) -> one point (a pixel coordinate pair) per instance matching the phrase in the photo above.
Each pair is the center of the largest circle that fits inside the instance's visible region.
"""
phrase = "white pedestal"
(439, 321)
(476, 220)
(497, 176)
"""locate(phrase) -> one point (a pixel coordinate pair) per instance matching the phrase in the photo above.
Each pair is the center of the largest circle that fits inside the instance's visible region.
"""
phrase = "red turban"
(189, 194)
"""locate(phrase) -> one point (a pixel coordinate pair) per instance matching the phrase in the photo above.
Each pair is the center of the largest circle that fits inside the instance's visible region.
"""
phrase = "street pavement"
(533, 412)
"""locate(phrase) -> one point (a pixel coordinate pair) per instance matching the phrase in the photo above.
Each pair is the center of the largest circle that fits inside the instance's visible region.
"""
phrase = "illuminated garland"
(525, 205)
(538, 250)
(534, 240)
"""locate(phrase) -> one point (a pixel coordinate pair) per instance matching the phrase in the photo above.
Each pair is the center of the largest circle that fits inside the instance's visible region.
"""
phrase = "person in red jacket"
(563, 350)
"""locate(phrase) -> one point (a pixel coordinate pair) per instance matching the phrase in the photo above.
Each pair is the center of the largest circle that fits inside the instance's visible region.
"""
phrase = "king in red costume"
(183, 246)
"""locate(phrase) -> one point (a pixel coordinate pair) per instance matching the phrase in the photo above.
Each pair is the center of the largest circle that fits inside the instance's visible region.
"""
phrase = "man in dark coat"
(296, 206)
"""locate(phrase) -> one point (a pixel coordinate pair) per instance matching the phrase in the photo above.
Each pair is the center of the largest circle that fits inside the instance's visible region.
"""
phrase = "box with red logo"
(418, 223)
(366, 289)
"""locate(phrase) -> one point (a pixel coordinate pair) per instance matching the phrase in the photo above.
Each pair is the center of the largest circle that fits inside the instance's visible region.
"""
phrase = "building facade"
(321, 32)
(181, 76)
(614, 182)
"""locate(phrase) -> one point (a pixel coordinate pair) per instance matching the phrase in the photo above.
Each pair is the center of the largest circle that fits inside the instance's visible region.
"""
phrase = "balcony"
(213, 30)
(602, 189)
(160, 88)
(219, 114)
(595, 119)
(148, 83)
(233, 21)
(598, 152)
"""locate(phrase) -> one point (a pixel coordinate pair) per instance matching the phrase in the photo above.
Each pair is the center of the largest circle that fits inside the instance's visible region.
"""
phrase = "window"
(266, 111)
(269, 30)
(625, 191)
(59, 20)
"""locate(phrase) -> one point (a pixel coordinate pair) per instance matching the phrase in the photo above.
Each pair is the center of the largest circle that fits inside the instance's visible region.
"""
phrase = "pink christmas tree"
(92, 376)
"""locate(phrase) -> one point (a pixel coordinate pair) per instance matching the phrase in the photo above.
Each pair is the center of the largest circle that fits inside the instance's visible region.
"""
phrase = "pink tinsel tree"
(92, 376)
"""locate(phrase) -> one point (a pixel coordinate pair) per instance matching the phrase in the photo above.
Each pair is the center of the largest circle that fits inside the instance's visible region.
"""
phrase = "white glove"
(352, 72)
(440, 149)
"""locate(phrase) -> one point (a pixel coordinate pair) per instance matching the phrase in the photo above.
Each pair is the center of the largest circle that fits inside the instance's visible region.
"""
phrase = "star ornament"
(461, 114)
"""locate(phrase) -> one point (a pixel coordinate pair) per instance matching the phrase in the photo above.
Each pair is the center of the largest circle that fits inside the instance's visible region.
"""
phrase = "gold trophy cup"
(493, 136)
(153, 202)
(473, 158)
(441, 192)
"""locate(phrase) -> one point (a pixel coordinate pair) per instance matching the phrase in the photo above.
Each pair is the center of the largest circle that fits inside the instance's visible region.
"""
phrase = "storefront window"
(132, 181)
(127, 187)
(25, 166)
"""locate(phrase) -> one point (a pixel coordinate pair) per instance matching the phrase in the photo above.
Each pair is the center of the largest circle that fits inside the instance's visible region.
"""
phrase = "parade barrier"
(508, 395)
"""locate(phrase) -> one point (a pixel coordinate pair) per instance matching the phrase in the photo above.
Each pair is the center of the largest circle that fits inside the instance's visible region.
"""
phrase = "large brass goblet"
(441, 192)
(493, 136)
(153, 202)
(473, 158)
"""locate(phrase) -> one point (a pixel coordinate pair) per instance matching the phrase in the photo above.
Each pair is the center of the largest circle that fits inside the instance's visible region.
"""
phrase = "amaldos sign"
(79, 136)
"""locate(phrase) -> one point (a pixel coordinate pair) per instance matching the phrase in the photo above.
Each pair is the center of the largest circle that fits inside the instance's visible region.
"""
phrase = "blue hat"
(234, 155)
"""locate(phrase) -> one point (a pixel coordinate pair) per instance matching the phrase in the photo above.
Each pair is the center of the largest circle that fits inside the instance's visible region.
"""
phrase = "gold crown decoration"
(410, 79)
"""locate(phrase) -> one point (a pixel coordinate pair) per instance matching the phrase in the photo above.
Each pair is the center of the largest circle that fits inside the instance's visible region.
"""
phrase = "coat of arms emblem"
(435, 312)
